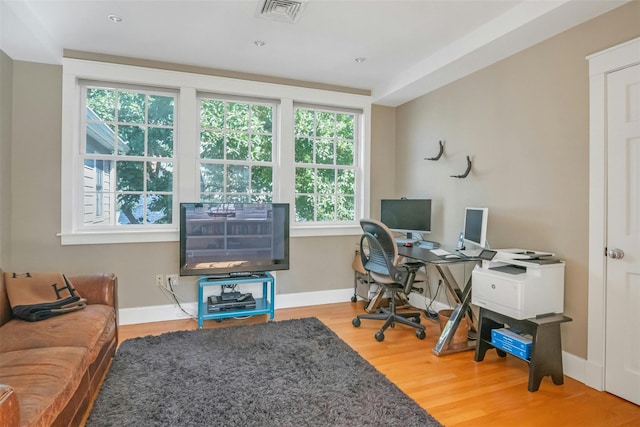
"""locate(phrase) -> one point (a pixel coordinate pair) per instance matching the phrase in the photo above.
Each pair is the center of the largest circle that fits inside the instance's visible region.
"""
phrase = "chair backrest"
(379, 251)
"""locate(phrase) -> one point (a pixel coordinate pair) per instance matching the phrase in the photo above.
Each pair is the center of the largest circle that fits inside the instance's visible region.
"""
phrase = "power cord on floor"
(173, 296)
(429, 312)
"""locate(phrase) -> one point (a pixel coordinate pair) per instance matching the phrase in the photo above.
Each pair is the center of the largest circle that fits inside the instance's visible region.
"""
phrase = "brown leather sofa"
(51, 370)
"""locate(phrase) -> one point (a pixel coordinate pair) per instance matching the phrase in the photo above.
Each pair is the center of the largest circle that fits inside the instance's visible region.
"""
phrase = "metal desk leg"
(463, 299)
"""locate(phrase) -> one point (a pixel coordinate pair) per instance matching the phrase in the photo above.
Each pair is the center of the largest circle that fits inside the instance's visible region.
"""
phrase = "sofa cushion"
(89, 329)
(44, 379)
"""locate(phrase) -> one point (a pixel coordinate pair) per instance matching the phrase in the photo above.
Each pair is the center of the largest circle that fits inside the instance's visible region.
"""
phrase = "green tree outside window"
(325, 178)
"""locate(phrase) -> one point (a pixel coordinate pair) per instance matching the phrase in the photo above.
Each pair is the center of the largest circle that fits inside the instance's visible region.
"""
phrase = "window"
(236, 151)
(325, 159)
(128, 157)
(137, 141)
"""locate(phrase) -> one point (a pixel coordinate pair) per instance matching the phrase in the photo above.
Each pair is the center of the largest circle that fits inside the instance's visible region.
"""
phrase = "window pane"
(326, 208)
(238, 198)
(211, 145)
(97, 202)
(159, 176)
(346, 181)
(130, 209)
(100, 138)
(101, 102)
(304, 180)
(344, 126)
(131, 107)
(326, 181)
(160, 142)
(159, 209)
(261, 179)
(238, 146)
(326, 124)
(212, 114)
(237, 116)
(304, 150)
(304, 209)
(211, 178)
(130, 176)
(212, 198)
(261, 198)
(161, 110)
(344, 152)
(237, 179)
(324, 152)
(131, 140)
(261, 118)
(304, 122)
(345, 208)
(261, 148)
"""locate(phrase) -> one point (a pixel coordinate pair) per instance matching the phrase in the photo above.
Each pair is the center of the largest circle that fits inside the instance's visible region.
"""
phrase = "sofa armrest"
(9, 408)
(97, 288)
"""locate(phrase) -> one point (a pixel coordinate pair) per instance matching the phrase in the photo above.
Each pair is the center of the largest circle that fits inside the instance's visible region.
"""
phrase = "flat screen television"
(475, 226)
(406, 216)
(233, 239)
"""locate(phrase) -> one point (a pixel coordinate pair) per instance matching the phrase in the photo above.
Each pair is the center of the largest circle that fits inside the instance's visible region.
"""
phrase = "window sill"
(147, 236)
(110, 237)
(319, 231)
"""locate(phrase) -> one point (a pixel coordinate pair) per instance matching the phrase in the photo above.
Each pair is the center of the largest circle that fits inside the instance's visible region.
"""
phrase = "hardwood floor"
(453, 388)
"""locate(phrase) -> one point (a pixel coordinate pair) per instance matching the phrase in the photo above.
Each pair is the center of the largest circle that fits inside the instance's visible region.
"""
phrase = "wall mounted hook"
(464, 175)
(439, 154)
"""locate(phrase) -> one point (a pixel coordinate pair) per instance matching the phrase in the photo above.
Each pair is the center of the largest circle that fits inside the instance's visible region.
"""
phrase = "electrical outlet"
(160, 281)
(172, 280)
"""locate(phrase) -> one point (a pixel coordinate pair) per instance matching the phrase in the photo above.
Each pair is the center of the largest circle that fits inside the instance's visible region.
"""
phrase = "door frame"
(600, 65)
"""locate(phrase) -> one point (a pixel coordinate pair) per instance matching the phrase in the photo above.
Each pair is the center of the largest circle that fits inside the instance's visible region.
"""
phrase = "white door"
(622, 353)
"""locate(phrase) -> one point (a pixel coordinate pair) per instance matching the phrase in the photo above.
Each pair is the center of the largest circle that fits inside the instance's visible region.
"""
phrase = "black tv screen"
(233, 239)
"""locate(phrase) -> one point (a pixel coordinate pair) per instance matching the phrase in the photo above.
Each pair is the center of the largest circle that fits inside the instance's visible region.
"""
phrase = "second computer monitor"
(406, 215)
(475, 226)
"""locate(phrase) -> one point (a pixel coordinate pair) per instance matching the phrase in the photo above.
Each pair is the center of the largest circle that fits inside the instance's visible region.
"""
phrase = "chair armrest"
(99, 288)
(9, 408)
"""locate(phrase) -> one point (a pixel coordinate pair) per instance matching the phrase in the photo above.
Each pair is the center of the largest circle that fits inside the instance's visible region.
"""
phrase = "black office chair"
(380, 258)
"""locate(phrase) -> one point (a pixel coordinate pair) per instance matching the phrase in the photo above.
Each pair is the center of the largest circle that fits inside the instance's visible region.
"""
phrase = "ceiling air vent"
(280, 10)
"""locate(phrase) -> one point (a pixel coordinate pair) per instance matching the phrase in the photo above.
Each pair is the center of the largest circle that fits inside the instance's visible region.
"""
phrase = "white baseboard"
(575, 367)
(160, 313)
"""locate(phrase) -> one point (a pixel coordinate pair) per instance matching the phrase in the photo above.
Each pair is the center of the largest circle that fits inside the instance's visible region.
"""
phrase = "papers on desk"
(440, 252)
(444, 254)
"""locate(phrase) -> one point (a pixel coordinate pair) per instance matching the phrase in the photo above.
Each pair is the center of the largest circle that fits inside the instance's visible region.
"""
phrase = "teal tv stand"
(264, 305)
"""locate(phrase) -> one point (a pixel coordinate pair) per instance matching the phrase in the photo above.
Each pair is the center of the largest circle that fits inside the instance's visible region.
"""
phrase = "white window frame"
(116, 156)
(275, 146)
(187, 155)
(357, 123)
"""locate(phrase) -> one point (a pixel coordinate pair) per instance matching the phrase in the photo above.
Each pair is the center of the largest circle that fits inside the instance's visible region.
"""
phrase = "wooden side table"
(546, 346)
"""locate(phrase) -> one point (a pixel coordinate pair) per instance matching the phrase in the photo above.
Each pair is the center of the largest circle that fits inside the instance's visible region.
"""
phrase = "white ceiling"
(411, 46)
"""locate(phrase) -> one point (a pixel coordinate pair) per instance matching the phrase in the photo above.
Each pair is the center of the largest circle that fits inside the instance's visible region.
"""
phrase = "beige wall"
(321, 263)
(525, 123)
(6, 89)
(383, 158)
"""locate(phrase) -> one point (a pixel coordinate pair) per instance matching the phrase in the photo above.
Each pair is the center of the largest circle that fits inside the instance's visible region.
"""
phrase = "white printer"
(519, 283)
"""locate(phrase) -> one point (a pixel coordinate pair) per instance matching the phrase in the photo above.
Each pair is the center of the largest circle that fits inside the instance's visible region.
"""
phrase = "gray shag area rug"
(287, 373)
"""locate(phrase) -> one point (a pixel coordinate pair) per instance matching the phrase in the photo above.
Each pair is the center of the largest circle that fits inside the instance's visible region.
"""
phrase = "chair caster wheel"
(420, 334)
(354, 299)
(355, 322)
(379, 336)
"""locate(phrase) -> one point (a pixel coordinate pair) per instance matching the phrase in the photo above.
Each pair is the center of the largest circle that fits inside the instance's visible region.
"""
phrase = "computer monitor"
(475, 226)
(407, 216)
